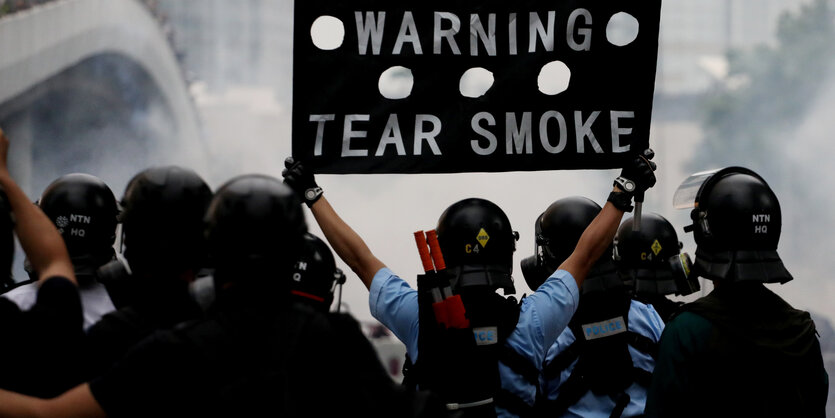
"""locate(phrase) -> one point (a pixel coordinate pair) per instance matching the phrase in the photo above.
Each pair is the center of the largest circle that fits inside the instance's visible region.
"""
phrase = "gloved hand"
(636, 177)
(301, 180)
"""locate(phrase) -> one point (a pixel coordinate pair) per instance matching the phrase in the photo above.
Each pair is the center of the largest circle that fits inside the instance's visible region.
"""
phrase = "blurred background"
(109, 87)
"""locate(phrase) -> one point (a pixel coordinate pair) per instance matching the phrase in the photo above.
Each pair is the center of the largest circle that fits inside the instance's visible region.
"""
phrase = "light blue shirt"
(542, 317)
(643, 320)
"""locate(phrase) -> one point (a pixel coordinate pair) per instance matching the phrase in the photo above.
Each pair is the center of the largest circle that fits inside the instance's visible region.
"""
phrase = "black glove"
(636, 177)
(302, 182)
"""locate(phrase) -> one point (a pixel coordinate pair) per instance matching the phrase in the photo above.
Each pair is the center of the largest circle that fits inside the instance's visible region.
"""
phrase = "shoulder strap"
(621, 402)
(563, 360)
(570, 392)
(13, 286)
(410, 374)
(641, 376)
(642, 343)
(519, 364)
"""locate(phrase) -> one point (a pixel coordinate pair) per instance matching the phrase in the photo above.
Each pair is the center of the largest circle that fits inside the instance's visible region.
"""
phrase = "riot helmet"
(736, 225)
(255, 224)
(477, 243)
(651, 260)
(557, 231)
(6, 243)
(162, 220)
(315, 275)
(84, 210)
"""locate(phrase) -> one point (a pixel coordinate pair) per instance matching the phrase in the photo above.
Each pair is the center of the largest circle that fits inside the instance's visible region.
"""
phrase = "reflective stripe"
(307, 295)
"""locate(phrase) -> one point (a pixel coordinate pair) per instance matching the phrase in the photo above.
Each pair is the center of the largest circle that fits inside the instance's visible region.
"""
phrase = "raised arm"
(345, 241)
(636, 177)
(77, 402)
(38, 236)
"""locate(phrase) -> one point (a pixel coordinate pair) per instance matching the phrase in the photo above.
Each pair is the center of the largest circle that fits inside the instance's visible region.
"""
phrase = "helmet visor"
(685, 195)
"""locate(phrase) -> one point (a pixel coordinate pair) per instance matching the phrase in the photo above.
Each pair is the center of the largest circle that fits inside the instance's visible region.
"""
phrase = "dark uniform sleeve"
(44, 342)
(158, 377)
(671, 391)
(110, 339)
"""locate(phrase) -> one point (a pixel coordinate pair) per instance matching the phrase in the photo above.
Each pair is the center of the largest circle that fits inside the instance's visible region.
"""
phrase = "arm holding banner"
(345, 241)
(636, 177)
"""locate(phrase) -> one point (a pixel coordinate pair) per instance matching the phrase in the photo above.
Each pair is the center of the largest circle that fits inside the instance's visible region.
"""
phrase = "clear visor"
(685, 195)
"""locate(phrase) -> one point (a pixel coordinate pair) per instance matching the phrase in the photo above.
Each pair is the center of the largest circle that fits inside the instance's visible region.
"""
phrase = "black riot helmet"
(651, 260)
(84, 210)
(315, 274)
(736, 225)
(162, 220)
(477, 243)
(557, 231)
(6, 243)
(255, 224)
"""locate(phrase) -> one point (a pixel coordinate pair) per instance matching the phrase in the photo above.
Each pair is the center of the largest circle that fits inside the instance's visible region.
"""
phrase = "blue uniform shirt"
(643, 320)
(542, 317)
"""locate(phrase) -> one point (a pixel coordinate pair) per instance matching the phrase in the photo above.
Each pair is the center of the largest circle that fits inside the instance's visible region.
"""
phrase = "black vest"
(763, 357)
(461, 365)
(601, 350)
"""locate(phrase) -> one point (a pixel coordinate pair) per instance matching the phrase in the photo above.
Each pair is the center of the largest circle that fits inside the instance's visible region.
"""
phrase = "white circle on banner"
(475, 82)
(622, 29)
(327, 33)
(396, 83)
(554, 78)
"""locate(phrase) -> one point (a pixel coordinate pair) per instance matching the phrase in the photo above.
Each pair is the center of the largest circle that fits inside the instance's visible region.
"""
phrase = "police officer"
(478, 243)
(741, 350)
(315, 275)
(55, 318)
(651, 262)
(84, 209)
(162, 225)
(256, 353)
(602, 362)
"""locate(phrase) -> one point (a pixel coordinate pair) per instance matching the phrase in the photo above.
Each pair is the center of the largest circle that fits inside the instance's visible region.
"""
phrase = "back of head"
(84, 210)
(651, 260)
(6, 243)
(315, 275)
(557, 230)
(736, 225)
(477, 243)
(255, 227)
(163, 209)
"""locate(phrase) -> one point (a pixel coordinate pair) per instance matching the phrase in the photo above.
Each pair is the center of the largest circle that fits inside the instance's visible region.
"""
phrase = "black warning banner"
(431, 86)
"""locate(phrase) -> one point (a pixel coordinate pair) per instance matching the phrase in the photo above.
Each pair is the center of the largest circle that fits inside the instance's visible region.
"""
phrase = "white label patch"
(486, 335)
(605, 328)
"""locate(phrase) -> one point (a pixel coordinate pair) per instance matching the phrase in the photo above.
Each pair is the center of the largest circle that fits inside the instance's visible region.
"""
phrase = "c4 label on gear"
(656, 247)
(483, 237)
